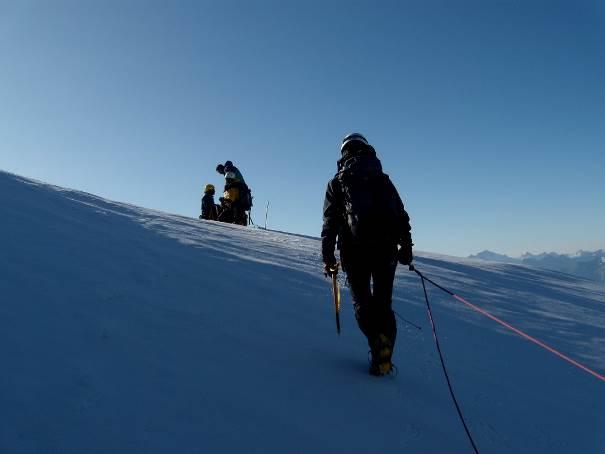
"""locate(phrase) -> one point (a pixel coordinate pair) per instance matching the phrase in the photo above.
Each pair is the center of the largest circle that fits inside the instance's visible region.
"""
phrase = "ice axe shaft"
(336, 292)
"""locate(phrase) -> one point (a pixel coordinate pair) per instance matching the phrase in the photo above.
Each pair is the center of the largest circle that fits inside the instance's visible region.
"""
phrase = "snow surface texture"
(128, 330)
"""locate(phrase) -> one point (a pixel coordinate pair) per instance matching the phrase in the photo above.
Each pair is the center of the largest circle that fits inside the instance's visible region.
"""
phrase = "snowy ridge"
(125, 330)
(587, 264)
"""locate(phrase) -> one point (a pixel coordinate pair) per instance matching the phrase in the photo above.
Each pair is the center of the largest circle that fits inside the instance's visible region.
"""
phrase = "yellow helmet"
(209, 188)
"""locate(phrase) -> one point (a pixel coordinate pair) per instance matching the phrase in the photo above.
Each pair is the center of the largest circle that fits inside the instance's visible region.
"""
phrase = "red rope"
(531, 339)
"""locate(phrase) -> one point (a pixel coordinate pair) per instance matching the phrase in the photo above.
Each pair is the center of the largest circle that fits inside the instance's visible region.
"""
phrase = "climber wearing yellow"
(233, 210)
(237, 198)
(232, 188)
(209, 209)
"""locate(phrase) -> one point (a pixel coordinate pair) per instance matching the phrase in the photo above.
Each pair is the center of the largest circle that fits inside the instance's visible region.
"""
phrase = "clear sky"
(489, 116)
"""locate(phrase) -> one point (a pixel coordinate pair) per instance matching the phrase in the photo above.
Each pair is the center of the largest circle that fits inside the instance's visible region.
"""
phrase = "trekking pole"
(266, 214)
(336, 292)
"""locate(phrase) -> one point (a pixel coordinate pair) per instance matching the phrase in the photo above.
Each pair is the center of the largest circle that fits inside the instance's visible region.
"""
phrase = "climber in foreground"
(365, 216)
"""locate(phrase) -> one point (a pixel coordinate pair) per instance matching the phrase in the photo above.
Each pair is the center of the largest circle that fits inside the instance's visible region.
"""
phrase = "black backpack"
(245, 197)
(370, 206)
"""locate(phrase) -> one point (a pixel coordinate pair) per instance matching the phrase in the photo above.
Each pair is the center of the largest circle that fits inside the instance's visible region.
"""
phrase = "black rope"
(447, 378)
(449, 292)
(407, 321)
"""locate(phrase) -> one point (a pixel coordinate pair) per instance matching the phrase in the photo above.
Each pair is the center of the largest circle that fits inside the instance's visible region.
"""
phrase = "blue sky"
(488, 115)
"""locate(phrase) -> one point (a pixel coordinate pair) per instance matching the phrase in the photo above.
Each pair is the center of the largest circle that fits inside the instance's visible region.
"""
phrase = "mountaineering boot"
(384, 354)
(381, 352)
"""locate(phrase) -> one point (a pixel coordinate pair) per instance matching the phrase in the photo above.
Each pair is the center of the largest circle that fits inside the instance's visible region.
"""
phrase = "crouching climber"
(210, 210)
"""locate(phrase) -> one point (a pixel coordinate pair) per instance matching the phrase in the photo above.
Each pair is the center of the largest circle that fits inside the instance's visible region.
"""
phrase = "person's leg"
(383, 276)
(226, 214)
(358, 275)
(238, 214)
(243, 218)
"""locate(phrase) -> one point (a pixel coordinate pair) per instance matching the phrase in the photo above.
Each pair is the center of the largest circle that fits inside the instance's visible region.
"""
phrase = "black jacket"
(208, 207)
(335, 224)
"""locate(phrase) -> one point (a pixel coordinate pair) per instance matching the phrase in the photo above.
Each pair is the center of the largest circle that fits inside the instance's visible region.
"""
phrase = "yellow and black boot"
(381, 351)
(385, 353)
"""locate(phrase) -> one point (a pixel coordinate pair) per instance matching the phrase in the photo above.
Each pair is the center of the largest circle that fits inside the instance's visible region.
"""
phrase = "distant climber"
(237, 197)
(210, 210)
(365, 217)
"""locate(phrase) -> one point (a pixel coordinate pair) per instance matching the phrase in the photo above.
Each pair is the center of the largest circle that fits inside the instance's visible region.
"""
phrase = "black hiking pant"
(233, 214)
(370, 275)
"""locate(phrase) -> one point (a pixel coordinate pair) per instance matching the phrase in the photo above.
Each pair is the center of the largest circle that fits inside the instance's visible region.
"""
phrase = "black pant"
(373, 302)
(233, 213)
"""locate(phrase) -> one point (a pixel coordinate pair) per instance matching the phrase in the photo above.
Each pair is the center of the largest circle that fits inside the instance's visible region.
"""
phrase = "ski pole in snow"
(336, 292)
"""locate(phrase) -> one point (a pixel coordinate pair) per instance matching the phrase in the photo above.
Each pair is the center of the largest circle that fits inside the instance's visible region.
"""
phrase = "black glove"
(405, 256)
(331, 269)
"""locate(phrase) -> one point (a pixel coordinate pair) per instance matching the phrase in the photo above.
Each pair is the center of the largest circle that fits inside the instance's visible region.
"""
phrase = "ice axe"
(336, 291)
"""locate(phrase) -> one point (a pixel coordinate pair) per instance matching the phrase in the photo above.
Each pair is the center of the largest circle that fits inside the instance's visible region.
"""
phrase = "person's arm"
(404, 230)
(332, 222)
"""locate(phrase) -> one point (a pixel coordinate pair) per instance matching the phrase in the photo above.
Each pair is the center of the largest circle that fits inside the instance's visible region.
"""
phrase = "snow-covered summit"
(126, 330)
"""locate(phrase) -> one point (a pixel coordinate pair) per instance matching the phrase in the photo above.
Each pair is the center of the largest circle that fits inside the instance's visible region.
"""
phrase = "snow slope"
(128, 330)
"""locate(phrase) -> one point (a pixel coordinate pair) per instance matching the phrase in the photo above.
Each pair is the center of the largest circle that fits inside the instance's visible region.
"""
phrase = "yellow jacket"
(231, 194)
